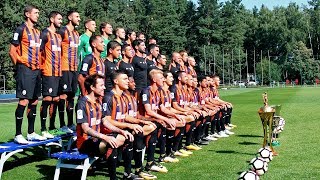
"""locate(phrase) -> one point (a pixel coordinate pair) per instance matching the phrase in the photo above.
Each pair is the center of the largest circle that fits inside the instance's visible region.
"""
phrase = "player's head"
(120, 80)
(168, 78)
(182, 77)
(141, 36)
(215, 80)
(191, 61)
(195, 82)
(152, 41)
(202, 81)
(184, 55)
(31, 13)
(176, 57)
(90, 25)
(96, 43)
(131, 35)
(139, 46)
(126, 51)
(161, 59)
(120, 33)
(154, 50)
(132, 84)
(105, 28)
(95, 84)
(114, 49)
(190, 80)
(55, 18)
(156, 76)
(73, 17)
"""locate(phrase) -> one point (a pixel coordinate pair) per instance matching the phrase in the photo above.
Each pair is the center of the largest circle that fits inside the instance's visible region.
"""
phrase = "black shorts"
(91, 147)
(68, 82)
(50, 86)
(28, 82)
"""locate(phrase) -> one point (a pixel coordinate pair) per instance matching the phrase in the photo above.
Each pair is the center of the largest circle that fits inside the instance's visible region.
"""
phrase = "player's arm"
(44, 40)
(84, 72)
(14, 50)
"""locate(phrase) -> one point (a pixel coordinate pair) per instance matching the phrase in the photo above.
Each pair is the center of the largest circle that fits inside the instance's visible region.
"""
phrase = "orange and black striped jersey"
(191, 71)
(149, 97)
(115, 106)
(50, 53)
(179, 95)
(132, 104)
(203, 95)
(166, 97)
(70, 42)
(91, 65)
(87, 111)
(28, 40)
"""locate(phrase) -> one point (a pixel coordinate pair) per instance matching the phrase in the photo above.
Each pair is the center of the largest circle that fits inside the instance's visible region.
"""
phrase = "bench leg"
(5, 156)
(57, 171)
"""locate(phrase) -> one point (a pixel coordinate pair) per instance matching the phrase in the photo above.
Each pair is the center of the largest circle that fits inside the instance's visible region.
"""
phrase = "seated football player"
(89, 119)
(115, 108)
(151, 107)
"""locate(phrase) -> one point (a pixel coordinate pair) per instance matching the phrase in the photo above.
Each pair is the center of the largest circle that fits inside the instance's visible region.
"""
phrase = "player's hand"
(136, 128)
(171, 124)
(163, 123)
(128, 135)
(110, 140)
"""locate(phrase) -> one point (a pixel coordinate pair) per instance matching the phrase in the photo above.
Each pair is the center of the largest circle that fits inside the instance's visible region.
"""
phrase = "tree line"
(286, 39)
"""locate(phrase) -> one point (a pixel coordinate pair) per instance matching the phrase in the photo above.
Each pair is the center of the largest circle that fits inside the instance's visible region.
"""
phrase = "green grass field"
(224, 159)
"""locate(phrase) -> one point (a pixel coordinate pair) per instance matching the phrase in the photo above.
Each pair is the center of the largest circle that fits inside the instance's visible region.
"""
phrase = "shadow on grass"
(249, 135)
(231, 152)
(247, 143)
(66, 174)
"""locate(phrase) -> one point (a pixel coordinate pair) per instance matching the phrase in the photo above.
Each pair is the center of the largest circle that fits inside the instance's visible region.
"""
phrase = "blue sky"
(249, 4)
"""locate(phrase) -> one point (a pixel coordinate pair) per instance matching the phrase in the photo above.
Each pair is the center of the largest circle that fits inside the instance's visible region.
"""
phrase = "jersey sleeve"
(81, 112)
(173, 92)
(17, 36)
(61, 32)
(44, 39)
(107, 105)
(86, 65)
(145, 96)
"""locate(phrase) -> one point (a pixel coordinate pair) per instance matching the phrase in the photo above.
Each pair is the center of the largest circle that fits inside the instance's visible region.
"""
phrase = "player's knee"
(120, 139)
(24, 102)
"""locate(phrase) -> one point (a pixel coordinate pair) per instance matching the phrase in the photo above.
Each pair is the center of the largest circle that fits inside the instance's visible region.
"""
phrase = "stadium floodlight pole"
(223, 66)
(261, 68)
(4, 83)
(269, 67)
(254, 63)
(214, 62)
(205, 59)
(247, 66)
(239, 64)
(232, 65)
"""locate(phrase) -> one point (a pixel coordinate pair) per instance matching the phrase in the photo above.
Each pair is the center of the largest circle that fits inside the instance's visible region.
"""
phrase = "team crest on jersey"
(104, 107)
(144, 97)
(24, 92)
(79, 114)
(15, 36)
(65, 86)
(50, 90)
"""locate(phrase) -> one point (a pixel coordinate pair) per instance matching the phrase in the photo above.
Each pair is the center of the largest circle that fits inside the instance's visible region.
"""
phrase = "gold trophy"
(266, 114)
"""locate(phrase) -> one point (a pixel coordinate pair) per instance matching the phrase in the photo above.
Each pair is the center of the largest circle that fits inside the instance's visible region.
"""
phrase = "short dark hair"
(28, 8)
(201, 78)
(123, 48)
(91, 80)
(165, 73)
(92, 39)
(71, 12)
(136, 42)
(112, 45)
(152, 46)
(128, 33)
(87, 21)
(102, 26)
(53, 14)
(115, 74)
